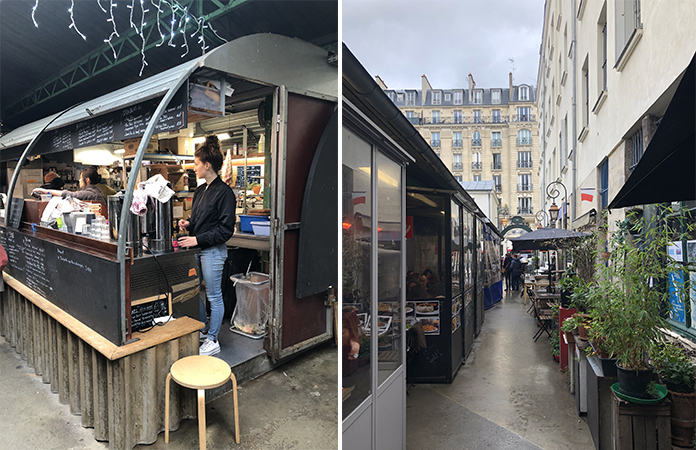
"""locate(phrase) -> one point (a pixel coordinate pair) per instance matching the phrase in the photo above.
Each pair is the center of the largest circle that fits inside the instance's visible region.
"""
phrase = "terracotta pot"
(683, 418)
(570, 337)
(256, 189)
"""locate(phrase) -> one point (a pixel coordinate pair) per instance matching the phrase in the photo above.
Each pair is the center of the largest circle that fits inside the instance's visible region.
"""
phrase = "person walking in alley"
(517, 269)
(507, 271)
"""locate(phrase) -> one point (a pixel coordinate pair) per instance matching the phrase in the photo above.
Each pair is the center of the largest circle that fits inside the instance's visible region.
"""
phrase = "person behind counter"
(210, 226)
(89, 178)
(53, 181)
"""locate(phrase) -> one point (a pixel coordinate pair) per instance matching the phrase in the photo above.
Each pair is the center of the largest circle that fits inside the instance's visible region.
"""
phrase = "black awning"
(667, 170)
(546, 239)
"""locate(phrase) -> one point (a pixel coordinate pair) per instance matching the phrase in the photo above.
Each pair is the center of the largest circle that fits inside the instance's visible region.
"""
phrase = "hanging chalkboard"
(82, 285)
(142, 315)
(17, 207)
(118, 125)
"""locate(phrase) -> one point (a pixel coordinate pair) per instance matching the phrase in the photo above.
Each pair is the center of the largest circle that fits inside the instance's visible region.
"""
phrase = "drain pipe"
(574, 180)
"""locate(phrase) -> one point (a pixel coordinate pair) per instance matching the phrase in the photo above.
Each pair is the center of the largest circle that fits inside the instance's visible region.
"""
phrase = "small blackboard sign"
(253, 175)
(142, 315)
(16, 209)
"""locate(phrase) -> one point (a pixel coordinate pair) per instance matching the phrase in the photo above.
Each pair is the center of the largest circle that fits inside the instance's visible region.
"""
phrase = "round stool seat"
(200, 372)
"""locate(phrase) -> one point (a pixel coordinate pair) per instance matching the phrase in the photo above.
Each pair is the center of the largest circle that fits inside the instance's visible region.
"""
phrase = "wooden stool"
(201, 373)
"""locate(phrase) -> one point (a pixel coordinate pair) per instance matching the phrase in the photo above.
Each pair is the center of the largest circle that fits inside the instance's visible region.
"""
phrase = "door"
(296, 323)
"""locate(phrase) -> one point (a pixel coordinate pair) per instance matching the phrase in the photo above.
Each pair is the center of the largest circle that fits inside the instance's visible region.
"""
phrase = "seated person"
(89, 178)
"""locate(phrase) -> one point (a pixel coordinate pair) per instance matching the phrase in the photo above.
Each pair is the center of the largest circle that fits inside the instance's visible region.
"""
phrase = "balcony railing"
(471, 119)
(456, 166)
(496, 143)
(524, 164)
(476, 166)
(498, 188)
(524, 211)
(497, 166)
(435, 144)
(414, 120)
(523, 118)
(476, 142)
(457, 144)
(524, 187)
(524, 141)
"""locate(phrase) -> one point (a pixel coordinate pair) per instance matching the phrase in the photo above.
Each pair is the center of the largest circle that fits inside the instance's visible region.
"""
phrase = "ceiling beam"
(127, 46)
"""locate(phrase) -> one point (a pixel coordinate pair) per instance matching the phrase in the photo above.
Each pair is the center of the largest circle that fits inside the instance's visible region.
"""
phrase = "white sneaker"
(209, 348)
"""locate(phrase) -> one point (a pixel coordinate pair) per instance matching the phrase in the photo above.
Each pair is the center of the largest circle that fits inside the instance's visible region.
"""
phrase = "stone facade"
(466, 127)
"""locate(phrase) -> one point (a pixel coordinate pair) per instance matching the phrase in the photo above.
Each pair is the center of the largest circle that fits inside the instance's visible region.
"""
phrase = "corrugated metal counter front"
(118, 390)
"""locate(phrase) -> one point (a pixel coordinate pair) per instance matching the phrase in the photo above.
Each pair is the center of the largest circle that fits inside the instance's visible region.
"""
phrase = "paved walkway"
(292, 407)
(510, 394)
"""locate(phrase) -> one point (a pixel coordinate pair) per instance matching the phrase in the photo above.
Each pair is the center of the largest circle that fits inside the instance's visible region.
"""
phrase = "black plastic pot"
(634, 382)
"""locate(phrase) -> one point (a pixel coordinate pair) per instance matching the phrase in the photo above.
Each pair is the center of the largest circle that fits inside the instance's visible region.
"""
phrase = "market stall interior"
(275, 117)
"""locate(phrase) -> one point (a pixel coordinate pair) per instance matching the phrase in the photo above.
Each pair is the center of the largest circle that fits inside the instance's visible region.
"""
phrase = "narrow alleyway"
(510, 394)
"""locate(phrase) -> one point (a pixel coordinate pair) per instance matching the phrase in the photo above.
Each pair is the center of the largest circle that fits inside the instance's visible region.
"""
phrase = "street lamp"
(553, 193)
(542, 218)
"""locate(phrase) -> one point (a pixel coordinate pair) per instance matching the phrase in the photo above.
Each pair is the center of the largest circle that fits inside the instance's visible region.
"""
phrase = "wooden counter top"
(250, 240)
(167, 332)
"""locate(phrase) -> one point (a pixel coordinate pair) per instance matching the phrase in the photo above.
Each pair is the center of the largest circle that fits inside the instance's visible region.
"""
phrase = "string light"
(72, 20)
(179, 24)
(33, 11)
(112, 5)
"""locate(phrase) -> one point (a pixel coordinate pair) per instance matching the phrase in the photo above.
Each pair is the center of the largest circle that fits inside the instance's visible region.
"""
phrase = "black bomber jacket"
(213, 216)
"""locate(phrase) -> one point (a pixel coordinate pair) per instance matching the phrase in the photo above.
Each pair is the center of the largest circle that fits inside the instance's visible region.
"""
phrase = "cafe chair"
(544, 319)
(201, 372)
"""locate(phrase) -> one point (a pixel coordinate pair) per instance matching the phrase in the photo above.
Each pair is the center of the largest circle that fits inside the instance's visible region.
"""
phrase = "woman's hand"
(39, 191)
(187, 241)
(183, 224)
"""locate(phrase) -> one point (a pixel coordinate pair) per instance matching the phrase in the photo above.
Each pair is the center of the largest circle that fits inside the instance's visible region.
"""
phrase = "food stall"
(74, 305)
(425, 226)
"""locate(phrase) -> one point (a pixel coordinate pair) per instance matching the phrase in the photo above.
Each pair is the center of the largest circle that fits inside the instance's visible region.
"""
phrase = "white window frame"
(496, 93)
(523, 93)
(458, 97)
(478, 96)
(437, 98)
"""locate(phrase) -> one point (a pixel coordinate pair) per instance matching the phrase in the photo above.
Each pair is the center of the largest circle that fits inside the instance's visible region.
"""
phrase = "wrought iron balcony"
(523, 118)
(498, 188)
(456, 166)
(478, 119)
(414, 120)
(458, 119)
(524, 211)
(524, 187)
(476, 166)
(497, 166)
(524, 141)
(435, 144)
(496, 142)
(497, 119)
(476, 142)
(457, 143)
(524, 164)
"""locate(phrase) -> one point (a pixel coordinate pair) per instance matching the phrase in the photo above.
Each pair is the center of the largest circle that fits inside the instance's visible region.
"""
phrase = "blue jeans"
(211, 262)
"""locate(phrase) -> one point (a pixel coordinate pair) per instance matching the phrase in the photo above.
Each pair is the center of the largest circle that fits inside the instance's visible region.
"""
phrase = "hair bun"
(212, 142)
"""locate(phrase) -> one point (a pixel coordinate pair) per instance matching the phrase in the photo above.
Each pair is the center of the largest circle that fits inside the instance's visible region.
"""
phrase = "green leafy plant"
(674, 367)
(572, 323)
(627, 305)
(554, 339)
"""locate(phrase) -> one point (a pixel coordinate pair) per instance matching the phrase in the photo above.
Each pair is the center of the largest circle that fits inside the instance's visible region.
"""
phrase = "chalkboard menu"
(16, 209)
(142, 315)
(83, 285)
(126, 123)
(253, 175)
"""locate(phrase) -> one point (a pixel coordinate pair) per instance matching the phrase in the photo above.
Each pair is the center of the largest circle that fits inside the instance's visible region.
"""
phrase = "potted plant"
(628, 308)
(554, 339)
(677, 372)
(572, 323)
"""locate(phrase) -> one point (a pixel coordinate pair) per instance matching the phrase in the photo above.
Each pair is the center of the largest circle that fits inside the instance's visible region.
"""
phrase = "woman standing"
(210, 226)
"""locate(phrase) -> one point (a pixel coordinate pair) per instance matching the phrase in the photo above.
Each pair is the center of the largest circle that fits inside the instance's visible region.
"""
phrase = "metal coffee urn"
(133, 240)
(161, 232)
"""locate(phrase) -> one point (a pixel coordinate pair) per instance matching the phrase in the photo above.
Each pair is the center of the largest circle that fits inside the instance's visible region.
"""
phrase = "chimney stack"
(510, 85)
(472, 86)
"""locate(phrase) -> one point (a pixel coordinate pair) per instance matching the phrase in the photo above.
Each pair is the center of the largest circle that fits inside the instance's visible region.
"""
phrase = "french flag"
(587, 194)
(359, 197)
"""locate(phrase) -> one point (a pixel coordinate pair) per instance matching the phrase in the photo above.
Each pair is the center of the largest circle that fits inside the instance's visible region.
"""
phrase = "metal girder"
(101, 60)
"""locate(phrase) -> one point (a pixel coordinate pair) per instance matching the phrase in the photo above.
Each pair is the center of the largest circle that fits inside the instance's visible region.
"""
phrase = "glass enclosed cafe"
(79, 302)
(440, 276)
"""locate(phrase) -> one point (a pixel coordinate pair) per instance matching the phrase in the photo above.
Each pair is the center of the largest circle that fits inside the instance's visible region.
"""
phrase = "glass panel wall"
(456, 249)
(357, 222)
(389, 326)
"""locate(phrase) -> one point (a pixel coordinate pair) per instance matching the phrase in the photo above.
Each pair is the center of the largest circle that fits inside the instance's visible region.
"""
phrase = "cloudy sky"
(400, 40)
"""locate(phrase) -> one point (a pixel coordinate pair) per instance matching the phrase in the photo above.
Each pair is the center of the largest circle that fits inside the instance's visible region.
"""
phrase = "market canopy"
(666, 170)
(546, 239)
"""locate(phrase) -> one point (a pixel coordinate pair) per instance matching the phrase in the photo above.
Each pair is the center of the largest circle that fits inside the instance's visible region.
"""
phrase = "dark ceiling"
(56, 57)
